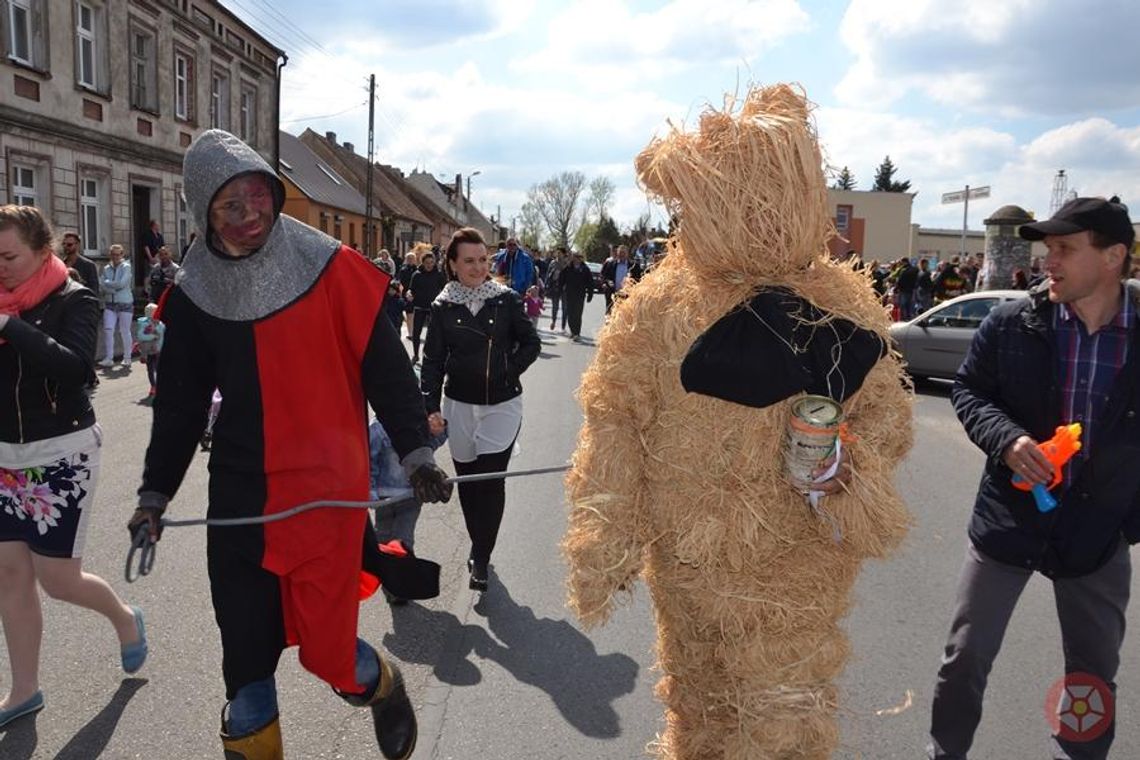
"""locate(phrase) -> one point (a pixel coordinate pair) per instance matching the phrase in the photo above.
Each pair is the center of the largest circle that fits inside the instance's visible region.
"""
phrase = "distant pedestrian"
(578, 290)
(162, 274)
(1019, 280)
(905, 278)
(533, 304)
(425, 286)
(616, 271)
(152, 240)
(515, 268)
(554, 289)
(384, 263)
(1067, 354)
(74, 258)
(149, 333)
(924, 288)
(404, 277)
(118, 306)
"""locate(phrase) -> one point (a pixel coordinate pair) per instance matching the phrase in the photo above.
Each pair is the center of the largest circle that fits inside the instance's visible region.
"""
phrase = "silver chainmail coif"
(254, 286)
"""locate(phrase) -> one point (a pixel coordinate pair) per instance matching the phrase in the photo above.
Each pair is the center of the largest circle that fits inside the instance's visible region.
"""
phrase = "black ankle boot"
(478, 571)
(393, 718)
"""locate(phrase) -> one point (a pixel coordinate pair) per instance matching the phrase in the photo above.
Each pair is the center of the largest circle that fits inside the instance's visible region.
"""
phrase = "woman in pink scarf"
(49, 453)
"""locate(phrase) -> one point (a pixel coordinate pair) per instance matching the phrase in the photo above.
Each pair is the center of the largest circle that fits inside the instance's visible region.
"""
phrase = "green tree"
(885, 181)
(845, 180)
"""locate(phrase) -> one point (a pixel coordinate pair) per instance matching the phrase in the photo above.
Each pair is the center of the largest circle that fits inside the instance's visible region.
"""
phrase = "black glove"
(151, 519)
(430, 484)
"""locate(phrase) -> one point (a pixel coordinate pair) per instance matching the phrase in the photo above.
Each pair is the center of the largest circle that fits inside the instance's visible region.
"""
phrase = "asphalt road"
(512, 676)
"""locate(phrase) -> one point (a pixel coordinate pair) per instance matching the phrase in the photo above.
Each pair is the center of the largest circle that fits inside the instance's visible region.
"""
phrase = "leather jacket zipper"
(50, 398)
(19, 411)
(487, 379)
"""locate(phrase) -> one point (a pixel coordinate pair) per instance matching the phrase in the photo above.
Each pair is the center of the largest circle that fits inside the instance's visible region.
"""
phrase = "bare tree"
(600, 196)
(556, 201)
(530, 226)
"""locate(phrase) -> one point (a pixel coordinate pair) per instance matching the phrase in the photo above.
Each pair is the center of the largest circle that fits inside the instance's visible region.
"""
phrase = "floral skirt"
(46, 488)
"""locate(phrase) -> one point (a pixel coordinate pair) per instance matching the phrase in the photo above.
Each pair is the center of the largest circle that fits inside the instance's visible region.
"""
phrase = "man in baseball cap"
(1069, 353)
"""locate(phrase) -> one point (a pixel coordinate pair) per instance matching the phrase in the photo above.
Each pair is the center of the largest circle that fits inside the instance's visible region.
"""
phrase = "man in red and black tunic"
(289, 325)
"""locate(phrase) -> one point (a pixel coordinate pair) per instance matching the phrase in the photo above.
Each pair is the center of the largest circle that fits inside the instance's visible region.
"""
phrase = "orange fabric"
(45, 281)
(309, 359)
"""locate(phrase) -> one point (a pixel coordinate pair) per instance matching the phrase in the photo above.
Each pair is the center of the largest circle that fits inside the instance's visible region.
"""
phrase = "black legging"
(419, 322)
(483, 502)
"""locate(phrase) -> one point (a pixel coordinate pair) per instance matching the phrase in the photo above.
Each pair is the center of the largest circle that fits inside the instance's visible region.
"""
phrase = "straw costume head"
(688, 489)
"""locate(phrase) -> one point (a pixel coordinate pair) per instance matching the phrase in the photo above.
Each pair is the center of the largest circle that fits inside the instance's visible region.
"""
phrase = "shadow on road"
(549, 654)
(93, 738)
(18, 739)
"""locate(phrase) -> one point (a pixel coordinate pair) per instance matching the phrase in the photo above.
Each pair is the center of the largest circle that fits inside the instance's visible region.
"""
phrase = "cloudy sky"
(980, 92)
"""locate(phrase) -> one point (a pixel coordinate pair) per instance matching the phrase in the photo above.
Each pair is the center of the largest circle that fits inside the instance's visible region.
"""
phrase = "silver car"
(935, 343)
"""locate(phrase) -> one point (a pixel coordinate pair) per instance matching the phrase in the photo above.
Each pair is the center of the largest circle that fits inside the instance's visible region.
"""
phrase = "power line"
(293, 26)
(284, 36)
(324, 116)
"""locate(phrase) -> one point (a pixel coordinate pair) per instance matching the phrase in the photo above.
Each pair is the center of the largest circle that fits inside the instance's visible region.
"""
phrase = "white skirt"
(477, 429)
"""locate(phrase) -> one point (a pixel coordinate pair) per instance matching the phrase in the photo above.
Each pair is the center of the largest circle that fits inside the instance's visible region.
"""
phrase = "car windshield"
(965, 314)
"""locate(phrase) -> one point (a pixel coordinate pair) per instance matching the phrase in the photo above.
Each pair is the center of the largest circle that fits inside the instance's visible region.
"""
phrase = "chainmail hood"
(269, 279)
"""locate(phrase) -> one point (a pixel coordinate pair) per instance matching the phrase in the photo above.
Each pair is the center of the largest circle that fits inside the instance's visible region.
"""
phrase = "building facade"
(99, 100)
(318, 196)
(875, 224)
(936, 244)
(451, 200)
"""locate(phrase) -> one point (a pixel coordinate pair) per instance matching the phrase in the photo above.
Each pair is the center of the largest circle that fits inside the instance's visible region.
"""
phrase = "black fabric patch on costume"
(775, 346)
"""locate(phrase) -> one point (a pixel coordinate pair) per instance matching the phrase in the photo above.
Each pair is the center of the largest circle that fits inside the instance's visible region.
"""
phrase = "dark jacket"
(609, 272)
(481, 356)
(577, 281)
(425, 286)
(1007, 387)
(88, 272)
(48, 358)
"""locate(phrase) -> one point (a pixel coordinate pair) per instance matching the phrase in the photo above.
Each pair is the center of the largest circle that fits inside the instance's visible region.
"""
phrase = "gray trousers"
(1091, 612)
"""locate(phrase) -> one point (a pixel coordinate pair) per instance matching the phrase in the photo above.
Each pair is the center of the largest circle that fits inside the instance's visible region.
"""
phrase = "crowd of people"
(291, 431)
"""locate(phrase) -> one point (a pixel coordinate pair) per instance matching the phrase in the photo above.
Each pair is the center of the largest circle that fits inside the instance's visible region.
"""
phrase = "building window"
(249, 115)
(324, 222)
(144, 89)
(26, 22)
(24, 185)
(219, 101)
(842, 219)
(90, 215)
(183, 86)
(86, 45)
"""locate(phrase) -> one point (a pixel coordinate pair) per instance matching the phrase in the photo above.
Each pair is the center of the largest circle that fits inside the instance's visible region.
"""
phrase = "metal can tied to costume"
(813, 428)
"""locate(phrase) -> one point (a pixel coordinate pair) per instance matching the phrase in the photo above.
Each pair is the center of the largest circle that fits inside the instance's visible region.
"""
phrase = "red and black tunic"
(292, 429)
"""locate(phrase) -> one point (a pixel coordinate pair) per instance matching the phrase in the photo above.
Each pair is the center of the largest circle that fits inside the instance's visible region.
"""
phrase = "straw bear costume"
(690, 492)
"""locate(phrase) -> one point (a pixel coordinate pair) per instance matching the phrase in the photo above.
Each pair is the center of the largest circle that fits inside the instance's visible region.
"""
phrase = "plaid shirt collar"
(1122, 321)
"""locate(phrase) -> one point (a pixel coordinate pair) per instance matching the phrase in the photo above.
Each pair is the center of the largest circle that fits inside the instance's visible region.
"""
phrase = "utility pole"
(369, 232)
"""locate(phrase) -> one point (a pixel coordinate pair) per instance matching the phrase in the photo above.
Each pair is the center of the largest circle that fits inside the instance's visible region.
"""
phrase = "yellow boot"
(262, 744)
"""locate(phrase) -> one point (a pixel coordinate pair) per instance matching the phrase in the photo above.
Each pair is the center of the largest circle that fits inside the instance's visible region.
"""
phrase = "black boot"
(478, 572)
(392, 716)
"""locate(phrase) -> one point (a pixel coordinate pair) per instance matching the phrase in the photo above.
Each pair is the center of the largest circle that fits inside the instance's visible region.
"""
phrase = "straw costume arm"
(879, 426)
(608, 523)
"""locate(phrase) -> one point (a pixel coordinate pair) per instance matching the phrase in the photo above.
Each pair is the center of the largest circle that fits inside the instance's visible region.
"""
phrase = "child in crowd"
(395, 524)
(533, 303)
(148, 334)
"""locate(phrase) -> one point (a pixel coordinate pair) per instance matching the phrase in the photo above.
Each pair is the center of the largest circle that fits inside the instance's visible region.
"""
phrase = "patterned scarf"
(472, 298)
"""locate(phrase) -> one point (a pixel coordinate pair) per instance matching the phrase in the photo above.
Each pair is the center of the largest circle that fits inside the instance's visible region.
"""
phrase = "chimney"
(331, 137)
(349, 147)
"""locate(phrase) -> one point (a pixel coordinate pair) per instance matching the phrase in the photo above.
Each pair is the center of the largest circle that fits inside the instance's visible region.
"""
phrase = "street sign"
(960, 195)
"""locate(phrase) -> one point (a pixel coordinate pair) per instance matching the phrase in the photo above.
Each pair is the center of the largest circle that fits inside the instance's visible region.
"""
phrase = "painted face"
(1076, 267)
(18, 261)
(471, 264)
(242, 214)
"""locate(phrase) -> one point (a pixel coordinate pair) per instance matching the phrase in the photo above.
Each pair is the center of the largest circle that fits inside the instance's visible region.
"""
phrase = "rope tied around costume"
(144, 548)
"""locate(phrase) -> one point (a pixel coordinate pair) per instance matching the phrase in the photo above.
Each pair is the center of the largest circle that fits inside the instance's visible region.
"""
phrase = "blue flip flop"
(32, 704)
(134, 655)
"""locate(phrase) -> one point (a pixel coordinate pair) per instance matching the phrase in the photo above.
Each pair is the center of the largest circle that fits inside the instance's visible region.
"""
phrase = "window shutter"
(5, 32)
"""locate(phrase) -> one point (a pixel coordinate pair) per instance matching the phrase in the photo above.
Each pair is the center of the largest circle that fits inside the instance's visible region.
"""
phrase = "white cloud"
(611, 46)
(1014, 56)
(1100, 158)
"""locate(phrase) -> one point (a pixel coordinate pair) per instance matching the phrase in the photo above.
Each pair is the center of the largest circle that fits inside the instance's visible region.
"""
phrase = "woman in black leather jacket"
(49, 453)
(479, 342)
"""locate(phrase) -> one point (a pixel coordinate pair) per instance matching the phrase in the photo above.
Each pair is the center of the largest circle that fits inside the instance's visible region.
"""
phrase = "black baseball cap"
(1109, 218)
